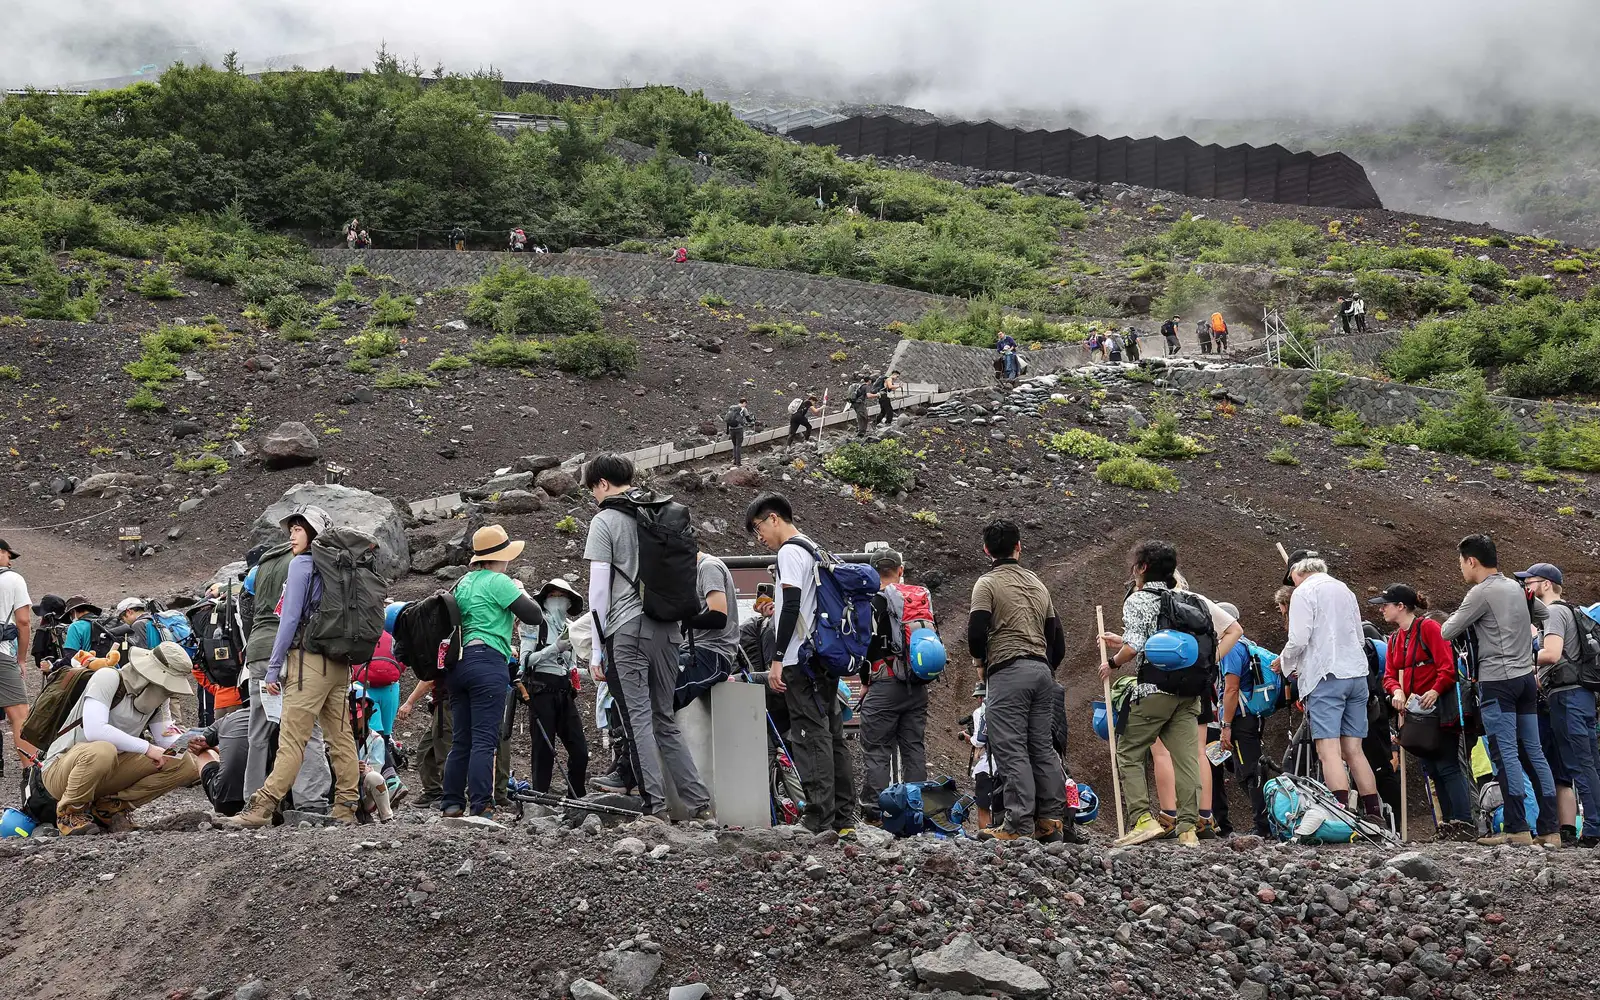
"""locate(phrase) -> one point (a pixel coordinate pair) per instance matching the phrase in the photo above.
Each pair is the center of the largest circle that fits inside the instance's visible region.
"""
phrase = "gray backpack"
(347, 621)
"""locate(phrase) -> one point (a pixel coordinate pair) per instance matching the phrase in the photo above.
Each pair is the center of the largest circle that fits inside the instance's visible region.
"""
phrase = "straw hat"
(167, 666)
(492, 544)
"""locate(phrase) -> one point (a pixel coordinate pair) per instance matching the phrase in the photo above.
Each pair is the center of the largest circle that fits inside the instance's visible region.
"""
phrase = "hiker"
(1132, 336)
(1495, 612)
(1344, 312)
(46, 647)
(801, 410)
(894, 709)
(1326, 654)
(737, 419)
(136, 626)
(518, 241)
(758, 638)
(550, 678)
(1113, 345)
(352, 231)
(681, 255)
(1013, 630)
(363, 241)
(1007, 346)
(986, 792)
(1219, 332)
(115, 751)
(884, 387)
(16, 635)
(1167, 702)
(1202, 332)
(1418, 647)
(860, 393)
(816, 724)
(433, 747)
(458, 239)
(1096, 345)
(317, 693)
(1169, 333)
(380, 676)
(1238, 733)
(264, 585)
(639, 652)
(372, 756)
(1570, 743)
(223, 779)
(1358, 309)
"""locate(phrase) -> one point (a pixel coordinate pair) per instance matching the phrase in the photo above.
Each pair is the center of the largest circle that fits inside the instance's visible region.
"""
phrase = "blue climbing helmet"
(390, 614)
(1088, 803)
(926, 653)
(1121, 692)
(1170, 649)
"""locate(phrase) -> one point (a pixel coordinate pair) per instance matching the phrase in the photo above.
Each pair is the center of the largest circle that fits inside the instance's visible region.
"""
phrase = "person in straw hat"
(112, 757)
(550, 675)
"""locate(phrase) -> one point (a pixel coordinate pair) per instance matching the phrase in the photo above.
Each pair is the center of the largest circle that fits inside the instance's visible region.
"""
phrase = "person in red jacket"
(1418, 647)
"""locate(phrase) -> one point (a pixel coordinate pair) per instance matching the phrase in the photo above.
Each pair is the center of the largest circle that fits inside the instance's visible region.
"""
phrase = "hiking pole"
(580, 805)
(1405, 826)
(1111, 720)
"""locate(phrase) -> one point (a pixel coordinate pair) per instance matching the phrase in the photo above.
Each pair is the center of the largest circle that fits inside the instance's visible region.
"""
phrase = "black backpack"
(216, 630)
(858, 393)
(422, 627)
(1581, 665)
(1184, 612)
(348, 620)
(667, 555)
(735, 418)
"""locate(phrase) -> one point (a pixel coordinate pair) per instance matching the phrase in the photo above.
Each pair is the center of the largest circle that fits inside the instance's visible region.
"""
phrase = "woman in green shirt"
(491, 604)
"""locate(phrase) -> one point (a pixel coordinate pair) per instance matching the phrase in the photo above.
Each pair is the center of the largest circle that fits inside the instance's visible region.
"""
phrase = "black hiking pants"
(553, 717)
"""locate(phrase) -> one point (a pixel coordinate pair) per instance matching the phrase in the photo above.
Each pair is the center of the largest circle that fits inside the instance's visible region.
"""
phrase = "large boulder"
(557, 482)
(349, 508)
(965, 966)
(292, 443)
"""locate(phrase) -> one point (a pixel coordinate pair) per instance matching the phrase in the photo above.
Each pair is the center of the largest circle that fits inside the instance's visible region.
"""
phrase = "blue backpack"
(915, 807)
(843, 630)
(173, 626)
(1292, 806)
(1261, 687)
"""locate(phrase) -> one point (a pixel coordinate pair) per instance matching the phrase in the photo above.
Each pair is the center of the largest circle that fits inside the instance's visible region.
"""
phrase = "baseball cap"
(128, 604)
(5, 545)
(1544, 571)
(1396, 593)
(887, 559)
(1294, 558)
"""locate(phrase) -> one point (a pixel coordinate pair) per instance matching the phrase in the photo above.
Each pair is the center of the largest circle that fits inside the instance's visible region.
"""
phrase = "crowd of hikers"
(298, 667)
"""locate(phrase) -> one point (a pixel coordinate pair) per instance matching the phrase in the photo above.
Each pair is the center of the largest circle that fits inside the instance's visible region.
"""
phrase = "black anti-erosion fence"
(1259, 173)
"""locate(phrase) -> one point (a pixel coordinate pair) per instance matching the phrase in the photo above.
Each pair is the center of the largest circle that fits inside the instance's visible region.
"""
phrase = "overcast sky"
(1131, 62)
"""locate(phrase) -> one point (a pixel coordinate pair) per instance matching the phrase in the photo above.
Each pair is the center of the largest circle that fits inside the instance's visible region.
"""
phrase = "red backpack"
(919, 609)
(383, 669)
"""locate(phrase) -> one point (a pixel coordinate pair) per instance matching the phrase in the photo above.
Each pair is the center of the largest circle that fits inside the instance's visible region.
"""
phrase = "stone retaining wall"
(636, 277)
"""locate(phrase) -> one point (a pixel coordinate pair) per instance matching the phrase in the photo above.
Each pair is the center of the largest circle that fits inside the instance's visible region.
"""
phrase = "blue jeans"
(1010, 360)
(1450, 788)
(1510, 715)
(1573, 749)
(477, 686)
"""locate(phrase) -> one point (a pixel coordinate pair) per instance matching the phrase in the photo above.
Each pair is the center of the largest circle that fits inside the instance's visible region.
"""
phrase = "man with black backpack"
(860, 392)
(894, 710)
(1013, 630)
(1177, 638)
(798, 671)
(737, 419)
(1568, 664)
(642, 574)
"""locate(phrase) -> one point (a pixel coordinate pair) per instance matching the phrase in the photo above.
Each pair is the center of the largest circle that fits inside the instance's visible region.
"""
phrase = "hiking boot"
(1188, 838)
(452, 812)
(1523, 839)
(999, 833)
(254, 816)
(1047, 831)
(400, 795)
(614, 783)
(1147, 829)
(1590, 842)
(652, 819)
(1569, 836)
(1169, 826)
(427, 800)
(706, 815)
(75, 823)
(113, 814)
(1206, 828)
(1070, 833)
(1550, 840)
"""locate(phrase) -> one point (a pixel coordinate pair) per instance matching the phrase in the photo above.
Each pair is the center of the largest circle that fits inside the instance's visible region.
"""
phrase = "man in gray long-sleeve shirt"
(1496, 612)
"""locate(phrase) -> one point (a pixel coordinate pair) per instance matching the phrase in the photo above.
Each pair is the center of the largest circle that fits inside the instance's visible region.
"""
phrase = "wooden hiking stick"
(1111, 720)
(1283, 553)
(1405, 826)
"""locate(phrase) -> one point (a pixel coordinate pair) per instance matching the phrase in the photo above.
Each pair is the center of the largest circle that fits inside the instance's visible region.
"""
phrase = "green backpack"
(347, 621)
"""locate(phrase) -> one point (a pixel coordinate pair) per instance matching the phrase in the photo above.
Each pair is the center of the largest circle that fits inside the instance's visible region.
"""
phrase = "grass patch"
(882, 466)
(449, 361)
(1281, 455)
(1084, 444)
(10, 373)
(144, 401)
(1137, 474)
(1539, 474)
(1372, 461)
(506, 351)
(375, 342)
(296, 332)
(403, 378)
(390, 310)
(1291, 420)
(212, 465)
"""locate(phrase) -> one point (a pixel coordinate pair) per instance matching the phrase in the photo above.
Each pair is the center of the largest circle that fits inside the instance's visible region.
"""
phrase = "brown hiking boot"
(1206, 828)
(1000, 833)
(1047, 831)
(1169, 826)
(113, 814)
(74, 823)
(254, 816)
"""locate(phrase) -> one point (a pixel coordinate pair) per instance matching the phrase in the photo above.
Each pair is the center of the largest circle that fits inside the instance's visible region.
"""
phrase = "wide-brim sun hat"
(78, 603)
(167, 666)
(565, 588)
(314, 516)
(491, 544)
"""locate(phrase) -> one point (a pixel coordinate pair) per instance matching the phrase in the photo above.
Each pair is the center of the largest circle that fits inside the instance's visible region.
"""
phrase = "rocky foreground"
(421, 908)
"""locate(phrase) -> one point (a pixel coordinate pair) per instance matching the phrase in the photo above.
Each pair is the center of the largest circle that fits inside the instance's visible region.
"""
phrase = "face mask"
(556, 605)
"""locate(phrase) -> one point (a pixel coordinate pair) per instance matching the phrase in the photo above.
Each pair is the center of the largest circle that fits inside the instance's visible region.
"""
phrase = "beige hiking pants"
(94, 772)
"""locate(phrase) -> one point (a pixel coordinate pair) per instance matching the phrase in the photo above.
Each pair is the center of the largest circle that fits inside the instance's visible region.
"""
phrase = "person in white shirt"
(16, 637)
(1326, 655)
(116, 753)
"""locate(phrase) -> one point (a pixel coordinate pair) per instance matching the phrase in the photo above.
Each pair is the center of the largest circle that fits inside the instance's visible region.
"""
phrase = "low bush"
(1080, 443)
(207, 464)
(10, 373)
(449, 361)
(1137, 474)
(281, 309)
(1184, 292)
(881, 466)
(515, 300)
(389, 310)
(1475, 426)
(1372, 461)
(144, 401)
(506, 351)
(1571, 265)
(1162, 438)
(296, 332)
(592, 355)
(374, 342)
(157, 284)
(1282, 455)
(1351, 431)
(1321, 394)
(403, 378)
(1538, 474)
(1291, 420)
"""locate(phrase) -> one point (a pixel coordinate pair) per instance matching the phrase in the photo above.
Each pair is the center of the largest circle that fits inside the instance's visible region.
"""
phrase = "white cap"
(129, 603)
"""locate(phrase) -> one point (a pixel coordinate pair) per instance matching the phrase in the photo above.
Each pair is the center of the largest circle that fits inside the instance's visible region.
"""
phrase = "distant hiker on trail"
(681, 255)
(1219, 332)
(1096, 343)
(639, 652)
(1113, 343)
(1169, 332)
(117, 749)
(884, 387)
(1344, 312)
(737, 419)
(352, 232)
(1132, 339)
(517, 242)
(1358, 309)
(801, 410)
(1014, 631)
(458, 239)
(1007, 346)
(894, 710)
(1202, 333)
(810, 690)
(1496, 613)
(860, 393)
(1568, 729)
(16, 635)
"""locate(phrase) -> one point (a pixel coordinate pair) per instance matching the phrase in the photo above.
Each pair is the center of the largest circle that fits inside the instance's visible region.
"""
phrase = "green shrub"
(1184, 292)
(1571, 265)
(449, 362)
(144, 401)
(388, 310)
(10, 373)
(567, 525)
(714, 301)
(1500, 472)
(635, 246)
(344, 292)
(1162, 438)
(1282, 455)
(506, 351)
(784, 335)
(882, 466)
(359, 366)
(1474, 426)
(157, 284)
(1136, 474)
(281, 309)
(1383, 291)
(1372, 461)
(515, 300)
(1563, 444)
(155, 365)
(403, 378)
(1080, 443)
(180, 338)
(329, 321)
(1532, 285)
(296, 332)
(260, 288)
(207, 464)
(1291, 420)
(1485, 273)
(1352, 432)
(1539, 474)
(1321, 394)
(592, 355)
(374, 342)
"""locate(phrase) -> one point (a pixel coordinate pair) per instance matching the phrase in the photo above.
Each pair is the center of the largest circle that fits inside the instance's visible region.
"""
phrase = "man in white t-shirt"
(16, 635)
(816, 725)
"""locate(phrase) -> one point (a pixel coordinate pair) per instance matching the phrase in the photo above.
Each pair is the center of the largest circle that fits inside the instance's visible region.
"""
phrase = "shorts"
(986, 792)
(1208, 712)
(1338, 707)
(12, 690)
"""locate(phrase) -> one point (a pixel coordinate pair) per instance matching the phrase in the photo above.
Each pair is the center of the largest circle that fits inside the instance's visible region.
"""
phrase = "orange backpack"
(1217, 325)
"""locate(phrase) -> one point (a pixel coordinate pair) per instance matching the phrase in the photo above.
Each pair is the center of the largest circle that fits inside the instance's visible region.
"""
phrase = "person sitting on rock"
(116, 753)
(1007, 346)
